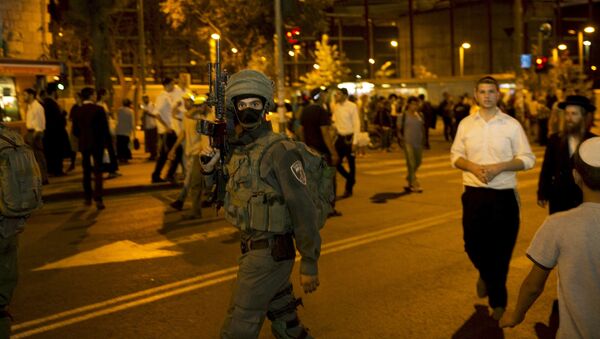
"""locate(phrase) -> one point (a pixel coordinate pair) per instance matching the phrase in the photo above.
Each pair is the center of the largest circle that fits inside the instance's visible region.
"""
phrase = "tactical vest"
(251, 203)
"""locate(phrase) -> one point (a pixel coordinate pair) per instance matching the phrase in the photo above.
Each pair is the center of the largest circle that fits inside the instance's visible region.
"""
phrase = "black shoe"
(177, 204)
(100, 205)
(345, 195)
(158, 180)
(334, 213)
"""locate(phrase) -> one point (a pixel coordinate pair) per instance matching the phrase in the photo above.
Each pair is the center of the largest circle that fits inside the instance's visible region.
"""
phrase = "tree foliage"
(331, 69)
(246, 25)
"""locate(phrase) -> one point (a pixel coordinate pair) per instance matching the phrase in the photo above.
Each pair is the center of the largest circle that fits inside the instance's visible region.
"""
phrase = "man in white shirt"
(149, 126)
(35, 121)
(490, 147)
(347, 126)
(166, 134)
(571, 241)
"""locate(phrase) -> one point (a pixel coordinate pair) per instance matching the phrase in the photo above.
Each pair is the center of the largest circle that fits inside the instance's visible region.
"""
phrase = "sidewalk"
(135, 179)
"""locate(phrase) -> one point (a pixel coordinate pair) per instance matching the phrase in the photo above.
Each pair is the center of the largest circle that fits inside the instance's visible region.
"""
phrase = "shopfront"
(15, 76)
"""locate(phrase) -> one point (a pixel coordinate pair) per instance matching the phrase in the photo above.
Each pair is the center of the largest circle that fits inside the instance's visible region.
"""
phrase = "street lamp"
(562, 47)
(394, 44)
(461, 57)
(372, 61)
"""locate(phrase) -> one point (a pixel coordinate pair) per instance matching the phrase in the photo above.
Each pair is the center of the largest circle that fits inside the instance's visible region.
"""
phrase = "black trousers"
(167, 140)
(343, 146)
(96, 169)
(490, 226)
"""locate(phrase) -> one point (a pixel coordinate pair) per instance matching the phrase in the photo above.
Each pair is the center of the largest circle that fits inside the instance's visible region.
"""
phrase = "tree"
(246, 25)
(329, 69)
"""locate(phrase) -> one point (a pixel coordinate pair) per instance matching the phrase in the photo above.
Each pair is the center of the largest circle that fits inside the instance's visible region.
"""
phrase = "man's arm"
(326, 132)
(469, 166)
(492, 170)
(531, 288)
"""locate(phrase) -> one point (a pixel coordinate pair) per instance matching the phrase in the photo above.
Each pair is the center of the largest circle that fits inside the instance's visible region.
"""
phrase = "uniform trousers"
(490, 226)
(260, 278)
(8, 279)
(343, 147)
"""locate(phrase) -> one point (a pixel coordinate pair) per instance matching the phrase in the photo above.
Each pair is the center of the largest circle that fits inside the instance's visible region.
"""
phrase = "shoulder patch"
(298, 171)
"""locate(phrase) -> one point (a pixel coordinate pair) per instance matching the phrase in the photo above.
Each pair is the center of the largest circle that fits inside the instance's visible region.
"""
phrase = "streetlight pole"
(461, 57)
(280, 78)
(394, 44)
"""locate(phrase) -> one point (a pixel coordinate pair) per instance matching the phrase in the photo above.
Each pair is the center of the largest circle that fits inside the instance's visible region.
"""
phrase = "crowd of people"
(271, 213)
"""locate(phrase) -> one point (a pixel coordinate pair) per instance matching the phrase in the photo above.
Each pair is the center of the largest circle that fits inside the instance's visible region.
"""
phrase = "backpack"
(20, 177)
(319, 176)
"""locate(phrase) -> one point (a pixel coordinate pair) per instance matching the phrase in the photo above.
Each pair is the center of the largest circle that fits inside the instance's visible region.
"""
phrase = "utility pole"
(142, 44)
(280, 75)
(518, 34)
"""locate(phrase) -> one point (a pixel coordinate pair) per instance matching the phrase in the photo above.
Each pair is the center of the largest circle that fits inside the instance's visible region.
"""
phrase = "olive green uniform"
(268, 200)
(9, 236)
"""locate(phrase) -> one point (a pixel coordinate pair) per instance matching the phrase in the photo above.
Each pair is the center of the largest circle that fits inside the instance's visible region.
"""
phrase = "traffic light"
(293, 35)
(541, 64)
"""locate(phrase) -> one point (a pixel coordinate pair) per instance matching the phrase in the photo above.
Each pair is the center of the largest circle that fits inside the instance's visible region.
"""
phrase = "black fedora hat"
(578, 100)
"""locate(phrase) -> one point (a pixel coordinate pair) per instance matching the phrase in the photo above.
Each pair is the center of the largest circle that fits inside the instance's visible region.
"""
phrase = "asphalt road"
(392, 266)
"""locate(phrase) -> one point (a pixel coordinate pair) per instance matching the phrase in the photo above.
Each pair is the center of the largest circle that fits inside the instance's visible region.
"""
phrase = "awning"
(17, 67)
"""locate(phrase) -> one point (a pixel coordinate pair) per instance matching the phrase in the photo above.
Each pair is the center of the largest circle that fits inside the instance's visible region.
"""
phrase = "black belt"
(251, 245)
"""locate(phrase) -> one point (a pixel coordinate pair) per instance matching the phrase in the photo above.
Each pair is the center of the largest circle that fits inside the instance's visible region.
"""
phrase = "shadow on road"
(382, 198)
(479, 325)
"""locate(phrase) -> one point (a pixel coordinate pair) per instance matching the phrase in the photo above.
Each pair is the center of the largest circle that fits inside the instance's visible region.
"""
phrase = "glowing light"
(61, 87)
(316, 66)
(60, 34)
(589, 29)
(593, 68)
(358, 76)
(193, 62)
(465, 45)
(394, 43)
(234, 50)
(215, 36)
(572, 32)
(562, 47)
(263, 58)
(371, 61)
(385, 86)
(587, 43)
(56, 78)
(291, 53)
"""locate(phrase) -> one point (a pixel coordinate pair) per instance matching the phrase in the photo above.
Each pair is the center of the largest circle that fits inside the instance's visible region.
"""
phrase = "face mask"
(249, 118)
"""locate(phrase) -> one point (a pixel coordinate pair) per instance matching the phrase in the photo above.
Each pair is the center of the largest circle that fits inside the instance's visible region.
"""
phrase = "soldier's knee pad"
(284, 320)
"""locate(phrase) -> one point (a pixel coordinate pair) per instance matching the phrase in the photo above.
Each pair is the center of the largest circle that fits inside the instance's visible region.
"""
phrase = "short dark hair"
(422, 96)
(31, 91)
(126, 102)
(412, 98)
(344, 91)
(589, 174)
(166, 80)
(489, 80)
(87, 93)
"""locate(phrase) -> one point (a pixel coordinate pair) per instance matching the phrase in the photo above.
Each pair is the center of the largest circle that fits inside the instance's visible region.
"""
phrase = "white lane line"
(154, 294)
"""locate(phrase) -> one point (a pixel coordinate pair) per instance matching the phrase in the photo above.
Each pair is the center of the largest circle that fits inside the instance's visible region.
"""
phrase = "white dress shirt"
(149, 121)
(163, 109)
(36, 118)
(346, 119)
(498, 140)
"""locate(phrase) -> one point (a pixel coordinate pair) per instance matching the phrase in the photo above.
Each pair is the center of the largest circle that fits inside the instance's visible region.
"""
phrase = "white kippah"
(589, 151)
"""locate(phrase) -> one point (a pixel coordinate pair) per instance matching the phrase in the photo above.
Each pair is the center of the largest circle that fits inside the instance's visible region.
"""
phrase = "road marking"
(157, 293)
(126, 250)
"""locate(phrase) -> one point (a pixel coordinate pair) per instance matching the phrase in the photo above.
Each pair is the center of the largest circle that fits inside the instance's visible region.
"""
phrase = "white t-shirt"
(36, 118)
(163, 109)
(571, 240)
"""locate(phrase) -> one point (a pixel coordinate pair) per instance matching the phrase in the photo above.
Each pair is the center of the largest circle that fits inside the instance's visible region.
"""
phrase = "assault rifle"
(217, 130)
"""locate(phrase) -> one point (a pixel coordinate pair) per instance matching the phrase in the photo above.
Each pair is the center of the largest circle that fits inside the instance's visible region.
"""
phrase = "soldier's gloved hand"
(214, 158)
(309, 282)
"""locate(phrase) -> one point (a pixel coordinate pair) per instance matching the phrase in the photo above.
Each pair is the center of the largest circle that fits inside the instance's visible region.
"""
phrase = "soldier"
(268, 200)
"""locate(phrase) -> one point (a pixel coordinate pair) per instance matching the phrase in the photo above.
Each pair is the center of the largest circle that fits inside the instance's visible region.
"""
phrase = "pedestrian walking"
(112, 166)
(163, 111)
(35, 122)
(556, 186)
(125, 130)
(149, 127)
(412, 138)
(270, 223)
(569, 241)
(90, 126)
(195, 111)
(347, 125)
(490, 147)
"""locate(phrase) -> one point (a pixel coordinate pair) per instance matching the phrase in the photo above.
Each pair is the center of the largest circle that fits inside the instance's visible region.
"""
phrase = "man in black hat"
(556, 186)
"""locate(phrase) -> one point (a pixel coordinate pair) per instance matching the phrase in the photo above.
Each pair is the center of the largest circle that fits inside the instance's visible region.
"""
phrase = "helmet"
(248, 82)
